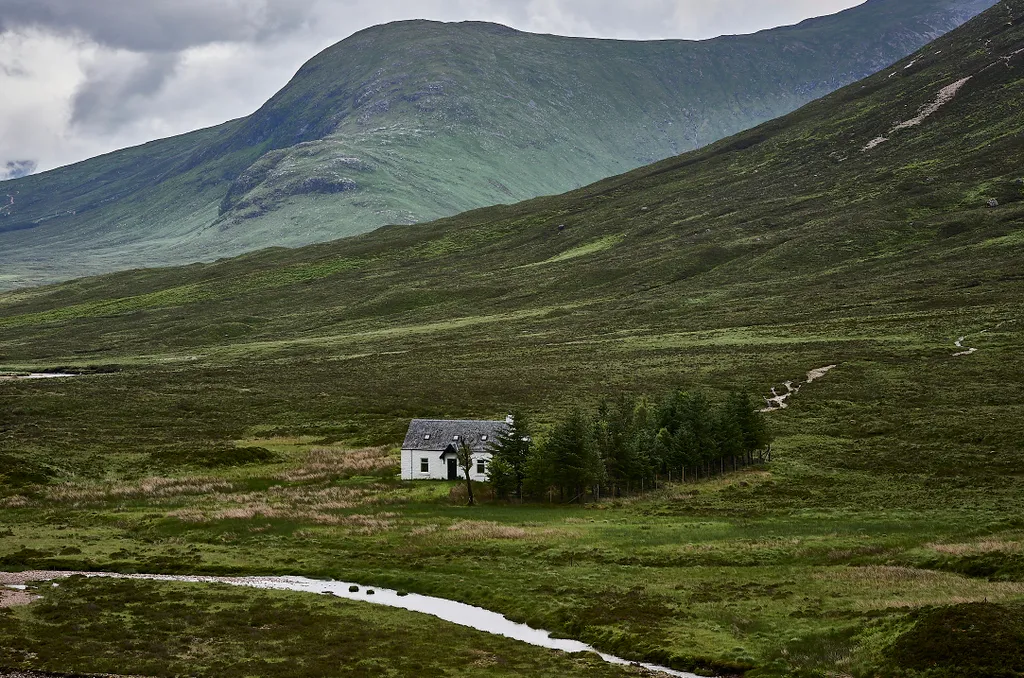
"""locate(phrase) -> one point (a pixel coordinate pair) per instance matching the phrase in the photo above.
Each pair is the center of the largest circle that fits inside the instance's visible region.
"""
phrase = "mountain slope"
(417, 120)
(809, 218)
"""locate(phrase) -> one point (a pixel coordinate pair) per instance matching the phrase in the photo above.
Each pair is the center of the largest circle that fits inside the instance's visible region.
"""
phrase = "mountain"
(416, 120)
(878, 230)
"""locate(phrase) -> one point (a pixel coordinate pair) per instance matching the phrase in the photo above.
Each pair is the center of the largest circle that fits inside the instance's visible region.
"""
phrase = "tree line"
(627, 445)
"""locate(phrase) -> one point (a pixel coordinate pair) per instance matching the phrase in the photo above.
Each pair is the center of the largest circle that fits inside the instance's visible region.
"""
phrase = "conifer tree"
(572, 457)
(511, 452)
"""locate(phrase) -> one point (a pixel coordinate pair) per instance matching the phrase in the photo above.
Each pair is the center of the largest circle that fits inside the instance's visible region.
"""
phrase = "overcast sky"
(83, 77)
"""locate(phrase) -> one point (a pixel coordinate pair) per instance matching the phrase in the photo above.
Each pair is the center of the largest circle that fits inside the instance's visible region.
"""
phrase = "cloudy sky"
(83, 77)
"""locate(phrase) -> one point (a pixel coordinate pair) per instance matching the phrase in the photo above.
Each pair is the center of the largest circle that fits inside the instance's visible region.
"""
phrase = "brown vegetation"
(150, 488)
(984, 546)
(326, 463)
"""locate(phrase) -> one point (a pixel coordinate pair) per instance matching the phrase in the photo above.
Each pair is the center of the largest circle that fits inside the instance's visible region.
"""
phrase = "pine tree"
(753, 426)
(572, 454)
(511, 452)
(621, 440)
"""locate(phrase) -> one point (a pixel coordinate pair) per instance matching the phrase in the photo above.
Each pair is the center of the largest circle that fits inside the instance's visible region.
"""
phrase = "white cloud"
(82, 78)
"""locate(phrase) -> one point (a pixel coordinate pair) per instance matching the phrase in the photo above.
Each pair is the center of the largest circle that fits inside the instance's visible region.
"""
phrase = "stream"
(780, 401)
(960, 344)
(441, 608)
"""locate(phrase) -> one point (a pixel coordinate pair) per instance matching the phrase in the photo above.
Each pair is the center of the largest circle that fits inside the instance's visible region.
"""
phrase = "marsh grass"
(319, 505)
(481, 530)
(331, 463)
(156, 488)
(979, 547)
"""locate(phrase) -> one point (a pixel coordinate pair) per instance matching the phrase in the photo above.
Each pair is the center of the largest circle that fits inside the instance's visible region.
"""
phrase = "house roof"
(435, 435)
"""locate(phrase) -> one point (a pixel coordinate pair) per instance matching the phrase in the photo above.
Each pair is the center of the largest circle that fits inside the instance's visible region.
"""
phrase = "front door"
(453, 469)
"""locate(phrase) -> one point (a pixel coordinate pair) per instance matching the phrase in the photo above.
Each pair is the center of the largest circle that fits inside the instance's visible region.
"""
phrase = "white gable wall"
(438, 466)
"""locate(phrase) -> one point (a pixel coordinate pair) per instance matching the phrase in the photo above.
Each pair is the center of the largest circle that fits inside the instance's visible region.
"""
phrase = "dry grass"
(17, 501)
(251, 512)
(337, 498)
(480, 530)
(980, 547)
(880, 587)
(477, 530)
(299, 504)
(364, 525)
(150, 488)
(189, 515)
(326, 463)
(367, 525)
(277, 441)
(880, 574)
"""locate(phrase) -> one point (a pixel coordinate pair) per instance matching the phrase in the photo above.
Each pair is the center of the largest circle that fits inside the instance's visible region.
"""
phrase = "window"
(426, 437)
(483, 437)
(481, 466)
(455, 438)
(424, 465)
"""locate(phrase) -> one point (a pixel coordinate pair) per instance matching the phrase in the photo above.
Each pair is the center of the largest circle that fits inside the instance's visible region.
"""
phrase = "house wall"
(438, 466)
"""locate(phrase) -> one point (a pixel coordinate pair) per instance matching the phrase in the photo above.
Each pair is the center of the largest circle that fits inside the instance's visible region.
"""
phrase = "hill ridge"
(399, 125)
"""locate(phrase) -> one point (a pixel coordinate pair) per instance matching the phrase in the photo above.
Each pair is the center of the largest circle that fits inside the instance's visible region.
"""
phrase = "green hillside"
(414, 121)
(878, 229)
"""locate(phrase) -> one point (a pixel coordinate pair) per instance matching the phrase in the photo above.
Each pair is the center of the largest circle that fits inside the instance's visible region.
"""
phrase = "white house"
(429, 450)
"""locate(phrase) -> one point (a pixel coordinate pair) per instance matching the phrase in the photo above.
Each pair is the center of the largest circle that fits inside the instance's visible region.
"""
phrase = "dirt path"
(946, 94)
(12, 597)
(959, 343)
(780, 401)
(12, 587)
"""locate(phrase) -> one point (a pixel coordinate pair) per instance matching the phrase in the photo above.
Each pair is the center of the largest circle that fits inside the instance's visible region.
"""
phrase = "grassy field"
(810, 564)
(240, 417)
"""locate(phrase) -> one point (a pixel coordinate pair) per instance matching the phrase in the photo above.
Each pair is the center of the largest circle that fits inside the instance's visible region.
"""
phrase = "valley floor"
(813, 565)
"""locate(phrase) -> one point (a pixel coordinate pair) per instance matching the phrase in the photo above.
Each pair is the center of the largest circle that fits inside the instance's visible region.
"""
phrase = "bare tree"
(464, 454)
